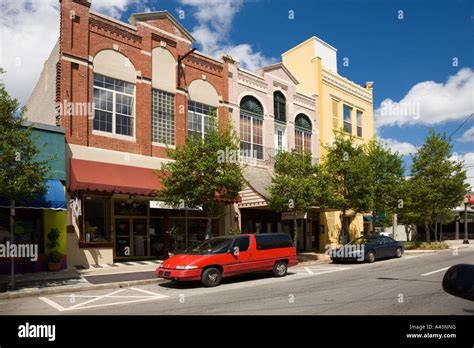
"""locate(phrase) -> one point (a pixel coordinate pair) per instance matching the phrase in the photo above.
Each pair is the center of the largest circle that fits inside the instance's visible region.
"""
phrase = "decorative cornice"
(346, 86)
(204, 63)
(304, 102)
(83, 2)
(252, 82)
(124, 34)
(168, 41)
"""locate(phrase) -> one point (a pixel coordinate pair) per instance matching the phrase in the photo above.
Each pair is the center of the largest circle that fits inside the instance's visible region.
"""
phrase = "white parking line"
(94, 298)
(308, 270)
(439, 270)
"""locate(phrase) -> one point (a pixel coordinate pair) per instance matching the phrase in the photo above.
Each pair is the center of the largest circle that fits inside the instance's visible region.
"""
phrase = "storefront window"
(28, 227)
(97, 219)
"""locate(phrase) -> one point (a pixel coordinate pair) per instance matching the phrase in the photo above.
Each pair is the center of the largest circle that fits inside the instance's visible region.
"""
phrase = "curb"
(38, 292)
(315, 262)
(421, 251)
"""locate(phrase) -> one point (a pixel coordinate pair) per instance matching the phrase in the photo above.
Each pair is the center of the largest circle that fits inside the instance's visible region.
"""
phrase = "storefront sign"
(75, 207)
(163, 205)
(289, 215)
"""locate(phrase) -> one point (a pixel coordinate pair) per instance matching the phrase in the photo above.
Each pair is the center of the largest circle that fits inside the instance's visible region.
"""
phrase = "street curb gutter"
(38, 292)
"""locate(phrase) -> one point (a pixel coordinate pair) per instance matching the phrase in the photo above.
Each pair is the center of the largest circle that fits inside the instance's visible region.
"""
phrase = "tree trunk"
(295, 227)
(427, 229)
(343, 227)
(12, 241)
(436, 231)
(374, 217)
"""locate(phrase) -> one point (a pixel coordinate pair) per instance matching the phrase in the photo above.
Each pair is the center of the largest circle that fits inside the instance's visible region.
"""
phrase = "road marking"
(52, 304)
(439, 270)
(317, 270)
(308, 270)
(93, 298)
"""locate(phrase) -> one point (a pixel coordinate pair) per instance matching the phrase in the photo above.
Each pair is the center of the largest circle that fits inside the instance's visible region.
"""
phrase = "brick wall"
(83, 34)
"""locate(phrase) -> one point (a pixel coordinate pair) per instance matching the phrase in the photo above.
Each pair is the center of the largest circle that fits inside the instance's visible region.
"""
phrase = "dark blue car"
(368, 249)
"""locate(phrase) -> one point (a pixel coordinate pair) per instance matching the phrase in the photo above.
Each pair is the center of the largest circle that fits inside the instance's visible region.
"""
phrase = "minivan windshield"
(211, 246)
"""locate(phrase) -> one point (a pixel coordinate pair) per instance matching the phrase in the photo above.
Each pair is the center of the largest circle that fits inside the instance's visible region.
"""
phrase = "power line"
(462, 124)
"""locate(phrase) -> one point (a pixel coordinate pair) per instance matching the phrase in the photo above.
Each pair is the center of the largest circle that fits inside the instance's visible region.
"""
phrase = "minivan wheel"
(280, 269)
(399, 252)
(370, 257)
(211, 277)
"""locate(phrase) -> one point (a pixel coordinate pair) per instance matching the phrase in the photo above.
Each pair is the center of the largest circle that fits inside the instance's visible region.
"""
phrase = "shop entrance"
(131, 237)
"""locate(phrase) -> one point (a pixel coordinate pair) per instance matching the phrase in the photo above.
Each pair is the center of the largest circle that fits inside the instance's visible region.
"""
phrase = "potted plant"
(53, 255)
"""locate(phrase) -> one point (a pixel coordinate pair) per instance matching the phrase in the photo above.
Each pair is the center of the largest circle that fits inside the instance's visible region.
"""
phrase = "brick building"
(117, 91)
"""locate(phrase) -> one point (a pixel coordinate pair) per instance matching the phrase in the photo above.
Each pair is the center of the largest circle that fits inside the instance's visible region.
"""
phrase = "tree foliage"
(349, 178)
(202, 170)
(297, 185)
(386, 179)
(21, 175)
(437, 183)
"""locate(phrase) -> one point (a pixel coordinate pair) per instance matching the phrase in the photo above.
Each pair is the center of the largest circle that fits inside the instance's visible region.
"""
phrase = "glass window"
(199, 118)
(113, 105)
(251, 128)
(279, 106)
(303, 129)
(96, 219)
(163, 117)
(359, 123)
(273, 241)
(242, 243)
(347, 119)
(335, 114)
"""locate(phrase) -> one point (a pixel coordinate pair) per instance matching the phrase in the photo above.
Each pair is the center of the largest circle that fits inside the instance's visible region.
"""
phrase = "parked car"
(226, 256)
(368, 249)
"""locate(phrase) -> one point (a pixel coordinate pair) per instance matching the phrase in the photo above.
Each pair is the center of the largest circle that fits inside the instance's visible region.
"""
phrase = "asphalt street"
(406, 286)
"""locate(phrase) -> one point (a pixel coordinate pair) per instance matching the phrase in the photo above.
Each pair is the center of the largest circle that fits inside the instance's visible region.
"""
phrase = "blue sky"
(410, 60)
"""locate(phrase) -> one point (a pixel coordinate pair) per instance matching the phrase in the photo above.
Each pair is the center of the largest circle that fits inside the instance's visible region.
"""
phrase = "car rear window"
(273, 241)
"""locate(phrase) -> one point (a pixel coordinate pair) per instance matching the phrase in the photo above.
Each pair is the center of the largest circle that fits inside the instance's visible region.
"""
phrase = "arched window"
(251, 128)
(202, 108)
(303, 130)
(279, 107)
(114, 93)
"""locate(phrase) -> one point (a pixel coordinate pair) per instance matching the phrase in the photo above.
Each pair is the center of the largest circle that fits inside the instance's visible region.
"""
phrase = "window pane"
(124, 125)
(347, 119)
(163, 117)
(103, 121)
(199, 118)
(298, 140)
(307, 142)
(96, 219)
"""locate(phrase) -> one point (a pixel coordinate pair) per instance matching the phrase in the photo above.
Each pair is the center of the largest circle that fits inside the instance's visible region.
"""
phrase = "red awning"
(116, 178)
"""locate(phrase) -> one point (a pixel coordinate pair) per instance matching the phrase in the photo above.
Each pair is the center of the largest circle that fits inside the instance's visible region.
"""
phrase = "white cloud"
(468, 136)
(468, 159)
(215, 19)
(403, 148)
(29, 30)
(430, 102)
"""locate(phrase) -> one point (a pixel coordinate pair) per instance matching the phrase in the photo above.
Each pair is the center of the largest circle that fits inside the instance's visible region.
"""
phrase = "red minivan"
(226, 256)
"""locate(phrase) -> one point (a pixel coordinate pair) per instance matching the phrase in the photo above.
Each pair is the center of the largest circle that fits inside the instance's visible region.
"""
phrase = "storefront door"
(131, 237)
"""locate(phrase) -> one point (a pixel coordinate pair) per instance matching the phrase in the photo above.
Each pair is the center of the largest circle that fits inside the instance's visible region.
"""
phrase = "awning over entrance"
(116, 178)
(53, 198)
(257, 192)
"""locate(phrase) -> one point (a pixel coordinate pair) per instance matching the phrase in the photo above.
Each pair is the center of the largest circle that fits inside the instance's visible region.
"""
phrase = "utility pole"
(466, 237)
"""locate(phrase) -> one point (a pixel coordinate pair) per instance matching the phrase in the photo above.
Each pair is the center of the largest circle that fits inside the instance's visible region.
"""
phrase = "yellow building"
(344, 107)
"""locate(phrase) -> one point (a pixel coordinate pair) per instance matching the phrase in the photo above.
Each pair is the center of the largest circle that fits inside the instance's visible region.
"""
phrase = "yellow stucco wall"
(303, 63)
(55, 219)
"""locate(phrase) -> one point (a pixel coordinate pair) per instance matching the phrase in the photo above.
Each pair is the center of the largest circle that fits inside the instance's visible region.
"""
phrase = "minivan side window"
(265, 242)
(243, 243)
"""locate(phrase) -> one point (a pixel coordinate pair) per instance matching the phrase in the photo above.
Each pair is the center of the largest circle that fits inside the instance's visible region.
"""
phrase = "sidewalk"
(42, 283)
(452, 245)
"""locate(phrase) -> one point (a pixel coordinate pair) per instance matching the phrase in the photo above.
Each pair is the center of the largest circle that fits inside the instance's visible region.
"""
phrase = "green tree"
(386, 173)
(438, 181)
(21, 175)
(203, 171)
(297, 185)
(350, 179)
